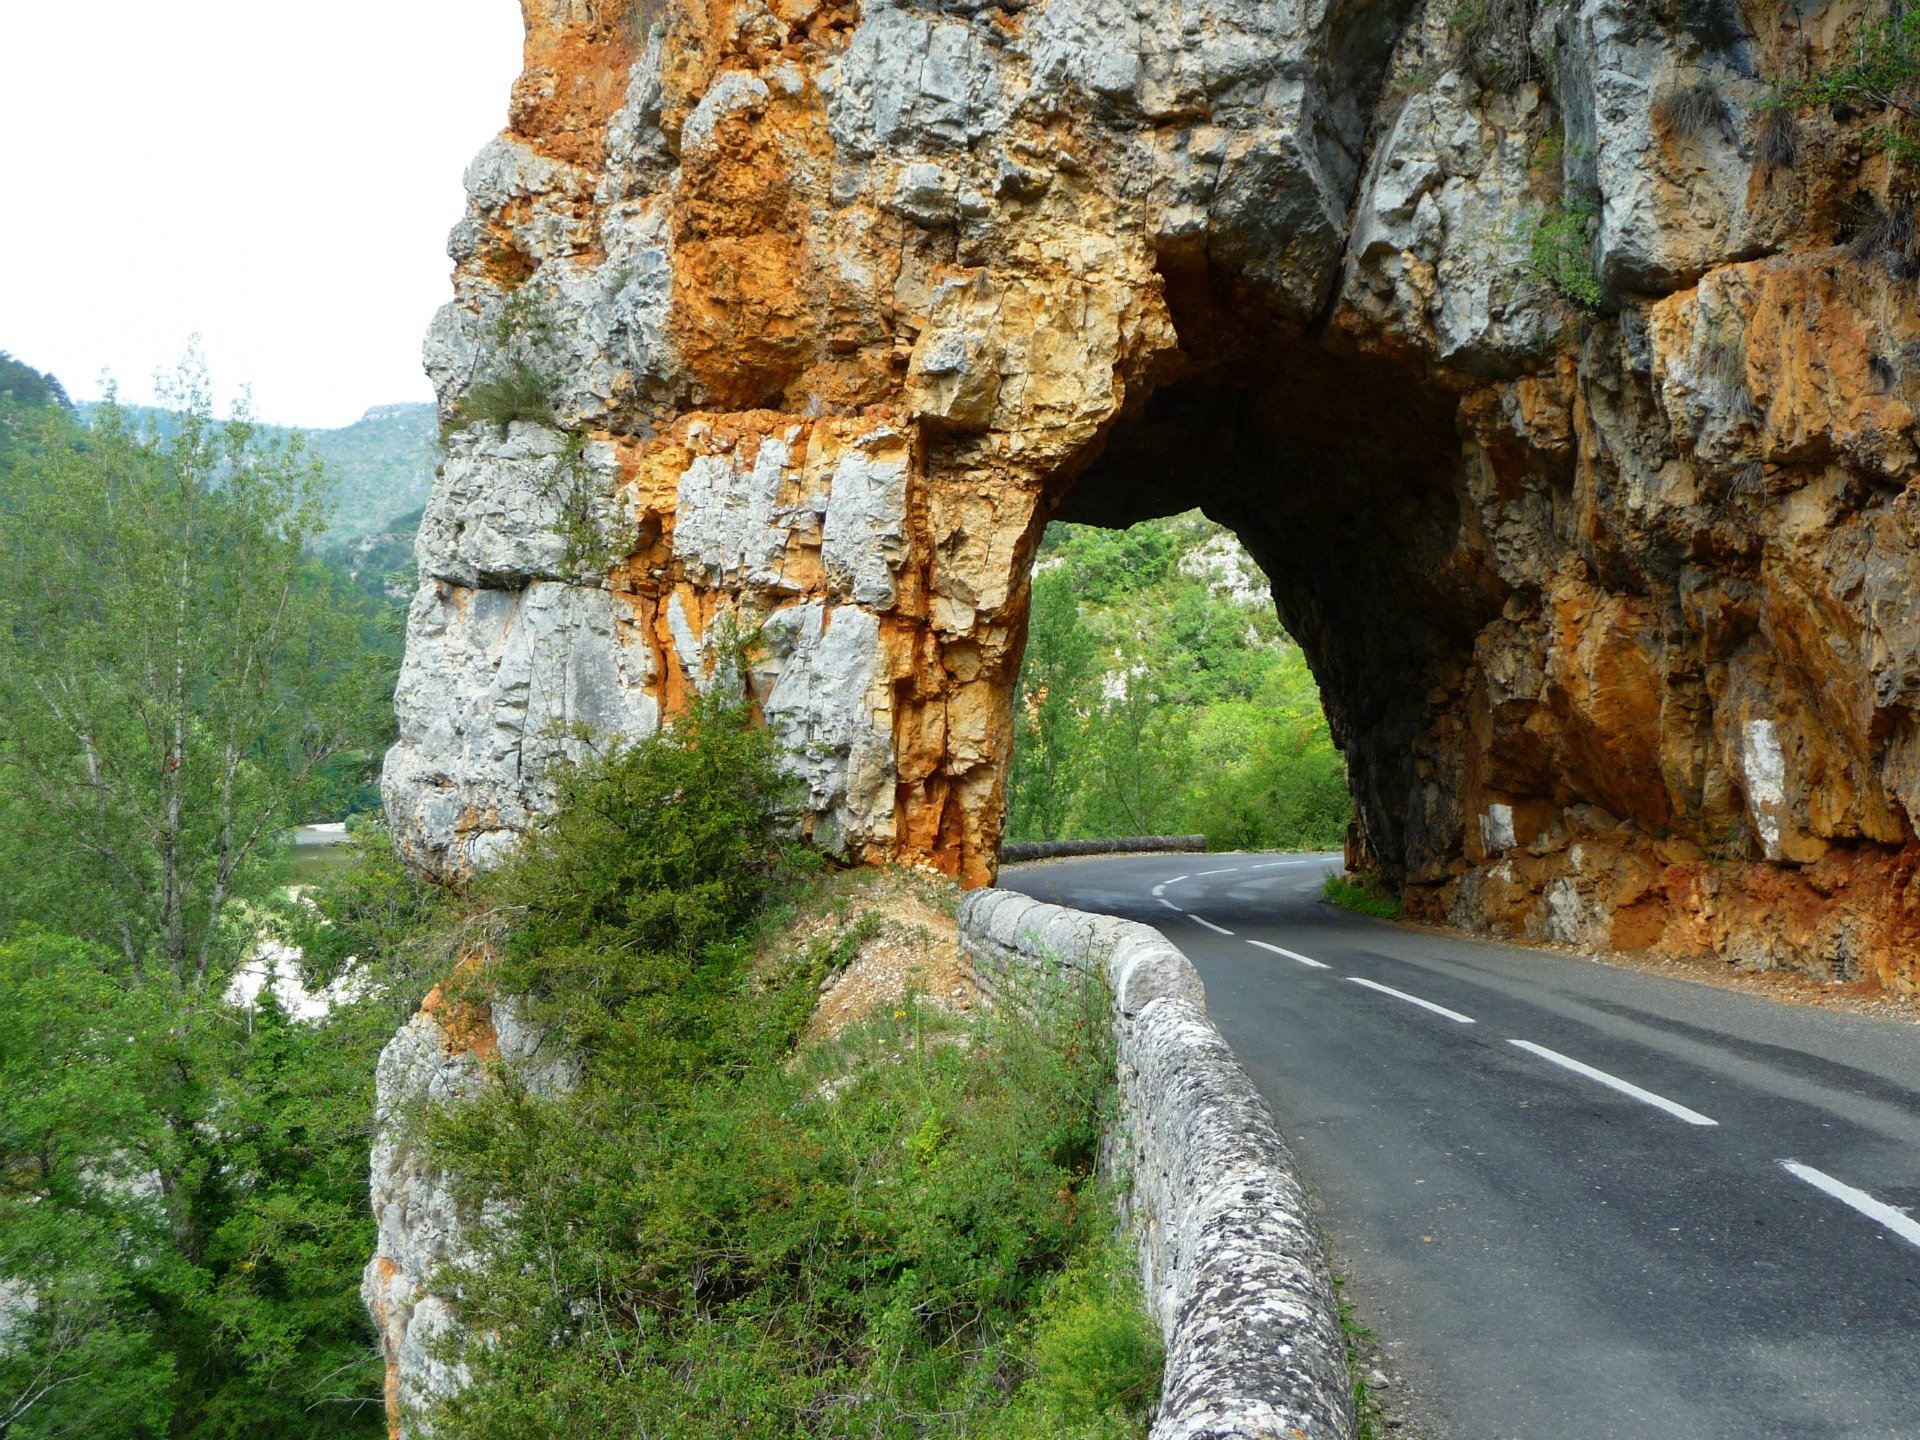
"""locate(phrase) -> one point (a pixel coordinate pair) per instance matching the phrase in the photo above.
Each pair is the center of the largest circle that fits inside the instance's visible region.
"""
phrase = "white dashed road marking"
(1453, 1015)
(1217, 929)
(1292, 955)
(1231, 869)
(1158, 891)
(1625, 1087)
(1170, 905)
(1878, 1211)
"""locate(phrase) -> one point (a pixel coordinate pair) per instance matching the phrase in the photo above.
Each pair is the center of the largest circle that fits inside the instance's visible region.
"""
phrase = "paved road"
(1565, 1187)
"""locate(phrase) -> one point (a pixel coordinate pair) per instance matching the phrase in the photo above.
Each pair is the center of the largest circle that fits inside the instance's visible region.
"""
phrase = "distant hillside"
(382, 464)
(23, 385)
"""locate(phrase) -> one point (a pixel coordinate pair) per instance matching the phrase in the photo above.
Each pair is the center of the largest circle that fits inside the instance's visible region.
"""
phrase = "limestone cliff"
(805, 317)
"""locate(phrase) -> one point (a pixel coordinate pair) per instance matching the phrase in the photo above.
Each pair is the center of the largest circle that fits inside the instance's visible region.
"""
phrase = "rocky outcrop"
(426, 1235)
(1230, 1254)
(1562, 387)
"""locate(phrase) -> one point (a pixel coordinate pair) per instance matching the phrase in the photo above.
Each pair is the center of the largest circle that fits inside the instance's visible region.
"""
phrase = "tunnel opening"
(1160, 695)
(1339, 474)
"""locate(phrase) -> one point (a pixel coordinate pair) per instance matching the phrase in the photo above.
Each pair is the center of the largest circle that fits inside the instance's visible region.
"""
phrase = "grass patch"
(715, 1233)
(1694, 111)
(1369, 1418)
(1364, 896)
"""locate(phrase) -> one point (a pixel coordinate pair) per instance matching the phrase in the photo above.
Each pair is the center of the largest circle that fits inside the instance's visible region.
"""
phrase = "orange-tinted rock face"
(809, 317)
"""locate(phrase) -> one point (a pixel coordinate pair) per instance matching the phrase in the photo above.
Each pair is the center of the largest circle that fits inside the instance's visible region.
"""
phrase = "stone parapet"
(1235, 1272)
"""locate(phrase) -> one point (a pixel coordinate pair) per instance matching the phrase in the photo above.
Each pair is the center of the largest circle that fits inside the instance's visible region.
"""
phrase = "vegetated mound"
(716, 1141)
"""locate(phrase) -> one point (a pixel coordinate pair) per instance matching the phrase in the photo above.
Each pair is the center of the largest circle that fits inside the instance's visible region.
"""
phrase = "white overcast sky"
(276, 178)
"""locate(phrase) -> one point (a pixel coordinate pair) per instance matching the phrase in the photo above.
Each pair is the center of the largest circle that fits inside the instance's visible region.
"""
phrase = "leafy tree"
(79, 1355)
(173, 676)
(1138, 762)
(1049, 707)
(183, 1210)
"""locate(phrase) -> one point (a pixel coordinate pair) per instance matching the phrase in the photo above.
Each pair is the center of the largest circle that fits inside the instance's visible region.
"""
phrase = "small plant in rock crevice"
(1369, 1418)
(1887, 233)
(595, 540)
(523, 382)
(1492, 40)
(1559, 253)
(1724, 373)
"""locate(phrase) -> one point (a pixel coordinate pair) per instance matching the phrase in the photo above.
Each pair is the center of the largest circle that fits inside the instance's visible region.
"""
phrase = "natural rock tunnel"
(1573, 423)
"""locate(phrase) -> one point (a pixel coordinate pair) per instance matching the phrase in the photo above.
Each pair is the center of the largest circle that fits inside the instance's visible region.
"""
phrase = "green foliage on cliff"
(716, 1234)
(1159, 695)
(1559, 253)
(1883, 80)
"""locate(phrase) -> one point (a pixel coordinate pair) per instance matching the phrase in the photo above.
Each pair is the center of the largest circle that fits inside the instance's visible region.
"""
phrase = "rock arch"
(807, 317)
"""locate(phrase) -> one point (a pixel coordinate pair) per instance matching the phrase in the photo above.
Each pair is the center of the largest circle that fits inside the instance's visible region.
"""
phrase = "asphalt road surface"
(1586, 1203)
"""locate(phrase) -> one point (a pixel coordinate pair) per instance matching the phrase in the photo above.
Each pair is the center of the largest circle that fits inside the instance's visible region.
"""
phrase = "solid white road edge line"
(1625, 1087)
(1454, 1015)
(1878, 1211)
(1292, 955)
(1170, 905)
(1217, 929)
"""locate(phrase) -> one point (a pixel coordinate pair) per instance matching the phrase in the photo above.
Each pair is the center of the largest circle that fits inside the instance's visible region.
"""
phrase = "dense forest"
(183, 1210)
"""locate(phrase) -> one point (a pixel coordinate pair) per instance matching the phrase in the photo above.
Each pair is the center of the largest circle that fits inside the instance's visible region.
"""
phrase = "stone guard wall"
(1235, 1272)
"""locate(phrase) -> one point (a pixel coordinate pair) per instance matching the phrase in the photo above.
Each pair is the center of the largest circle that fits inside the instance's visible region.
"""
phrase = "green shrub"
(1364, 896)
(631, 902)
(715, 1234)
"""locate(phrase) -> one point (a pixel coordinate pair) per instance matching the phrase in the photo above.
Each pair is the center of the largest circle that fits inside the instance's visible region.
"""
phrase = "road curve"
(1586, 1202)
